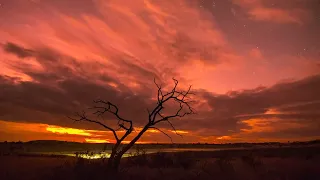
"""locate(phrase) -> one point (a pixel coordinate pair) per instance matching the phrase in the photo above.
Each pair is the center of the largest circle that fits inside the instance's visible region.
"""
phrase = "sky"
(254, 67)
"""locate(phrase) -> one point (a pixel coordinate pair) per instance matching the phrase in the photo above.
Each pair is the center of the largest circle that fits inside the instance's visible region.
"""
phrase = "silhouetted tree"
(155, 117)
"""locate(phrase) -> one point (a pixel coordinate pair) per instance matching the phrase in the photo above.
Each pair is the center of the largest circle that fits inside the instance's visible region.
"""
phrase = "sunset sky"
(254, 66)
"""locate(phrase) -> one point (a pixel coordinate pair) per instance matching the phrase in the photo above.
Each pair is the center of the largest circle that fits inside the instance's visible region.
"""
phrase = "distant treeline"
(65, 146)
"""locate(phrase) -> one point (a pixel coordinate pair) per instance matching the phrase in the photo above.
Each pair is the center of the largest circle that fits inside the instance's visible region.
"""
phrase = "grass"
(267, 163)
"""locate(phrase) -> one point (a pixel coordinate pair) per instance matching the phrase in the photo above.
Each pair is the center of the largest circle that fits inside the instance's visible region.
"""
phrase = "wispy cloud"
(262, 10)
(57, 56)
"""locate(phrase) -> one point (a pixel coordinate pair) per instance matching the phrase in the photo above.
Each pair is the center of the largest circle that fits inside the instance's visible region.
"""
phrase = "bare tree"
(155, 117)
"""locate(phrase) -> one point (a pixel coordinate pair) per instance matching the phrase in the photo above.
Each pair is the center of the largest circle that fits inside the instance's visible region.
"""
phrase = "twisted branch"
(83, 117)
(155, 116)
(179, 97)
(152, 127)
(101, 107)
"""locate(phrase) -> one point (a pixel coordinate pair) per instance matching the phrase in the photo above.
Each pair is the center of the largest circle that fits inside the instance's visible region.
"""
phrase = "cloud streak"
(261, 10)
(55, 60)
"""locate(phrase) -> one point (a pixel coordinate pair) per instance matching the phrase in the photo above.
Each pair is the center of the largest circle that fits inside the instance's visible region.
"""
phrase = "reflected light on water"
(94, 155)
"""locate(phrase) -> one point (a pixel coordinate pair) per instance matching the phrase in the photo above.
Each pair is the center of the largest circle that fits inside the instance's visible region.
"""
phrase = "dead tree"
(155, 117)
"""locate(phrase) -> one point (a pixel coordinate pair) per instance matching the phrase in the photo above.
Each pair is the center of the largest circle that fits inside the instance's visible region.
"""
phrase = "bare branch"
(83, 117)
(156, 112)
(155, 116)
(180, 97)
(162, 132)
(174, 128)
(159, 95)
(182, 104)
(106, 106)
(154, 80)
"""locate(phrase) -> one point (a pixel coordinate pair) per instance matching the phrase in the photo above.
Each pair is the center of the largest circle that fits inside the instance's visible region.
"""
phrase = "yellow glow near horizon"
(22, 131)
(62, 130)
(89, 140)
(153, 131)
(224, 138)
(272, 111)
(138, 142)
(179, 131)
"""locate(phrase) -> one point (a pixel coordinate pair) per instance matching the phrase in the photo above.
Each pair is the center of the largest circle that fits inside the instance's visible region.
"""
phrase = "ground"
(290, 163)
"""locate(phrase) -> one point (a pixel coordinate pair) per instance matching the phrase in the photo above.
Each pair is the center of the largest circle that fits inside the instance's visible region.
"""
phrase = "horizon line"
(194, 143)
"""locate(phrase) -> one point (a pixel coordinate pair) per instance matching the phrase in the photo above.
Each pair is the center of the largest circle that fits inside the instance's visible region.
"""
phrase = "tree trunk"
(134, 140)
(113, 163)
(115, 157)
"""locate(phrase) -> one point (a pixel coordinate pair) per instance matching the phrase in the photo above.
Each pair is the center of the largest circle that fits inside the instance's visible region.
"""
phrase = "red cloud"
(276, 15)
(59, 55)
(259, 11)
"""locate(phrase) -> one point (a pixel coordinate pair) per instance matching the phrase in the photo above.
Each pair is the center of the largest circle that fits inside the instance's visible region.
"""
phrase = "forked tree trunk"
(115, 157)
(113, 163)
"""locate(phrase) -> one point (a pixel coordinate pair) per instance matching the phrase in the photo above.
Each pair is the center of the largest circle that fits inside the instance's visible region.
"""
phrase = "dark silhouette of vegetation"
(238, 164)
(155, 117)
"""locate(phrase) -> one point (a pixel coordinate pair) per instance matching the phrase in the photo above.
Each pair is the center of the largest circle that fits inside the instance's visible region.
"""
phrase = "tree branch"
(155, 116)
(179, 97)
(101, 107)
(83, 117)
(162, 132)
(106, 106)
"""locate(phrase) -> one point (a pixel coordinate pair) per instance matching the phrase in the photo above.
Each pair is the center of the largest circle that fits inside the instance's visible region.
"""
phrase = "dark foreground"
(272, 163)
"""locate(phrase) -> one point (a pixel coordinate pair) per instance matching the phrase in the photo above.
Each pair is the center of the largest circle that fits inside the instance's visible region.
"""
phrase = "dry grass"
(281, 163)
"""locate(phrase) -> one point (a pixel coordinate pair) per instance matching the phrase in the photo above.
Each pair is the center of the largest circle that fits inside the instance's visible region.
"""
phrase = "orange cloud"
(115, 48)
(259, 125)
(32, 131)
(22, 127)
(272, 111)
(61, 130)
(143, 39)
(20, 131)
(275, 15)
(258, 11)
(160, 40)
(270, 125)
(224, 138)
(90, 140)
(179, 131)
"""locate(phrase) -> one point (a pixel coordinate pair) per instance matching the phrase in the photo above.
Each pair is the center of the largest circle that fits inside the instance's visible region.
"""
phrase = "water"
(106, 154)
